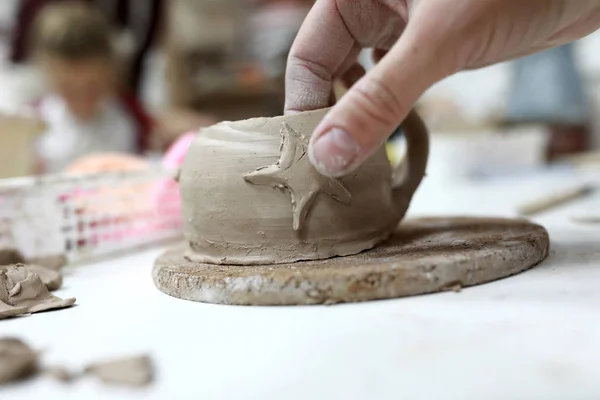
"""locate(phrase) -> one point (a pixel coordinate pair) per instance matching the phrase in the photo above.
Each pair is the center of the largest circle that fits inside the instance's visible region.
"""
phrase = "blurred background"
(182, 64)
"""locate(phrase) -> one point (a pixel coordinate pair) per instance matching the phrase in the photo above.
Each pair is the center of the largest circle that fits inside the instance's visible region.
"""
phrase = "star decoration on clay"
(294, 173)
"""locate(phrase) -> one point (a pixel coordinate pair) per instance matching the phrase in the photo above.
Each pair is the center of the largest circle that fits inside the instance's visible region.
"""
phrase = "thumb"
(373, 108)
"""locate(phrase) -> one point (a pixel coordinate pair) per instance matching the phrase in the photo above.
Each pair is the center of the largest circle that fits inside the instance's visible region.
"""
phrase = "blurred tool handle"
(581, 159)
(586, 219)
(554, 200)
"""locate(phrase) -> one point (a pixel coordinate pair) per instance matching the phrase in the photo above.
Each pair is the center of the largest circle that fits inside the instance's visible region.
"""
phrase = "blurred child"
(85, 112)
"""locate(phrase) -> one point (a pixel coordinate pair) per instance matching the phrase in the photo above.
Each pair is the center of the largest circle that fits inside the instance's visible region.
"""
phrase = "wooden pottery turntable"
(423, 256)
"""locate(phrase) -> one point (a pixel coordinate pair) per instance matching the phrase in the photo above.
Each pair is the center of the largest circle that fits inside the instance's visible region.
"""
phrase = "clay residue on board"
(131, 371)
(294, 173)
(21, 288)
(17, 360)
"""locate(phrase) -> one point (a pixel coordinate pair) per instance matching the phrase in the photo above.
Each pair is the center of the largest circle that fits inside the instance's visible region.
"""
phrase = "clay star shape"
(294, 173)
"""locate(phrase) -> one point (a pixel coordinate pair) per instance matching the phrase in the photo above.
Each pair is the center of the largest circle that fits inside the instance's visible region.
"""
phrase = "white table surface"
(533, 336)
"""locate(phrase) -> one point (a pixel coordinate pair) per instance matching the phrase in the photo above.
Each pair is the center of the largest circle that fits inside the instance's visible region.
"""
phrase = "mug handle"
(409, 172)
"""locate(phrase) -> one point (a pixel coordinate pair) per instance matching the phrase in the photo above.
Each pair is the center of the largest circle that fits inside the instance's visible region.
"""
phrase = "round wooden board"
(423, 256)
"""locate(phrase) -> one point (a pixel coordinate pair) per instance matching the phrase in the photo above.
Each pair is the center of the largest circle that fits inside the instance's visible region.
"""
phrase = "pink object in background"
(167, 192)
(176, 153)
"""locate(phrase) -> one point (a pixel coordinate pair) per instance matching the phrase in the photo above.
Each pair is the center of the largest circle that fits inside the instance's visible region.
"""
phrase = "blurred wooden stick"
(588, 157)
(586, 219)
(548, 202)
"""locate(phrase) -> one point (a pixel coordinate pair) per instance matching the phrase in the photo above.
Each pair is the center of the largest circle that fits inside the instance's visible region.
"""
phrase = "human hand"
(418, 43)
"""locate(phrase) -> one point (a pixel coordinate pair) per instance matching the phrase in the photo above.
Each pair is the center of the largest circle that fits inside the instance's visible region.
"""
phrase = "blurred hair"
(74, 31)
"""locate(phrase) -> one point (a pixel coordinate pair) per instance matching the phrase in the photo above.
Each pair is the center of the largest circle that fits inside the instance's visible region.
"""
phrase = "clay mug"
(251, 196)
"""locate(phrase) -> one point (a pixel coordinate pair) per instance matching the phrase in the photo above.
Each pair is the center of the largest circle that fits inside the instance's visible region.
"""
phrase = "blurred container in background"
(547, 89)
(227, 57)
(487, 152)
(17, 134)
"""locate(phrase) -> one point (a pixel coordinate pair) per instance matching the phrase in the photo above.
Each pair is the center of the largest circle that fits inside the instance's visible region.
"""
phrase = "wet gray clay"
(251, 196)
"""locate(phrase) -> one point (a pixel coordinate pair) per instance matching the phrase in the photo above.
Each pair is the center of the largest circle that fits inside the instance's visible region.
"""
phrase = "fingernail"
(333, 152)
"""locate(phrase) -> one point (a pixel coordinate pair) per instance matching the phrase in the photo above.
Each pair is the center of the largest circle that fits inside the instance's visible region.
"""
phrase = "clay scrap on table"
(7, 311)
(53, 262)
(47, 267)
(132, 371)
(10, 255)
(22, 288)
(59, 373)
(51, 278)
(17, 360)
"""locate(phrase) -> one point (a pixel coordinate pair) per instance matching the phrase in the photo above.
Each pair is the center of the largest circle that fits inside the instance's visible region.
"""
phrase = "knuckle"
(304, 67)
(308, 85)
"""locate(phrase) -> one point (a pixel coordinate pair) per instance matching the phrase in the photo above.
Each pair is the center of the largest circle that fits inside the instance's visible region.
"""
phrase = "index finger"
(322, 45)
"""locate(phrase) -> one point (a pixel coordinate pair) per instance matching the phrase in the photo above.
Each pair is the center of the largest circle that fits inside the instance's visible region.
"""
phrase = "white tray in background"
(88, 216)
(482, 153)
